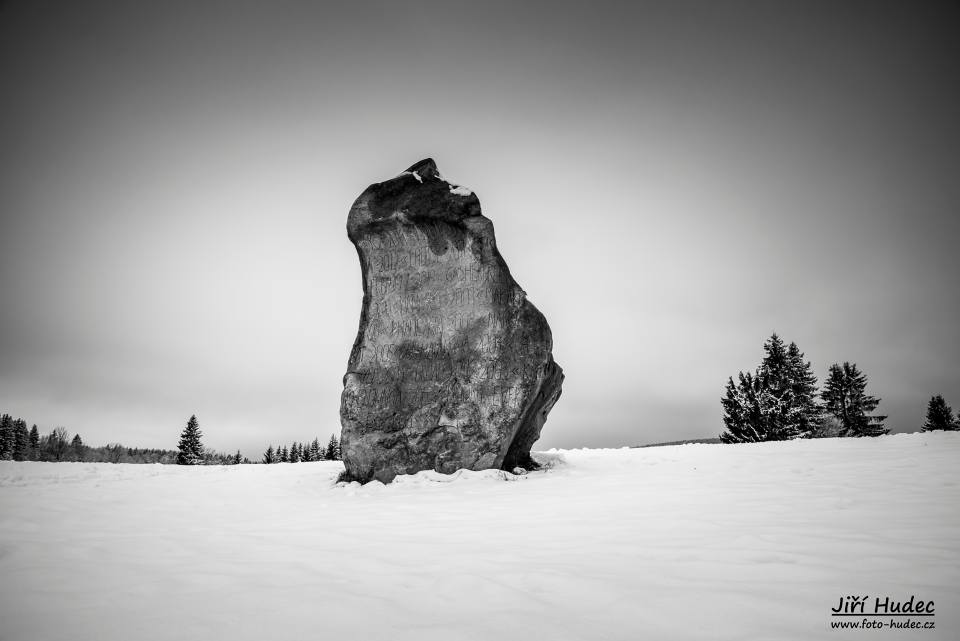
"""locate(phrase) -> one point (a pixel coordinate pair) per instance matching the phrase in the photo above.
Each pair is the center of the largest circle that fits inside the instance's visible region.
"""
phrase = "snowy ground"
(684, 542)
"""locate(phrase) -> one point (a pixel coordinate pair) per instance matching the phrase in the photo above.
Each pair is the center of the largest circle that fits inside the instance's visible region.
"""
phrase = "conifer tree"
(268, 456)
(804, 387)
(190, 448)
(316, 452)
(776, 395)
(775, 360)
(34, 440)
(305, 453)
(844, 397)
(78, 449)
(21, 440)
(777, 403)
(742, 415)
(7, 437)
(333, 448)
(294, 453)
(284, 455)
(237, 459)
(939, 416)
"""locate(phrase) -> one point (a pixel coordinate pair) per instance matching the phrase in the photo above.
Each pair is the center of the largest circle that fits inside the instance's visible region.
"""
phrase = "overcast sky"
(670, 183)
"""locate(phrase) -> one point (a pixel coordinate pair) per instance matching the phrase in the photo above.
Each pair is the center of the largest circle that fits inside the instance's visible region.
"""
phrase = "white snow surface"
(411, 173)
(459, 190)
(685, 542)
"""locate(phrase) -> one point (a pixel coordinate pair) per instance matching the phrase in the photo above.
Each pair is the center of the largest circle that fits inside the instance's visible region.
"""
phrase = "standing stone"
(452, 366)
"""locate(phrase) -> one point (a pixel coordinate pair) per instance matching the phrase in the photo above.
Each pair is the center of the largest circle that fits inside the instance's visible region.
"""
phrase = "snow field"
(682, 542)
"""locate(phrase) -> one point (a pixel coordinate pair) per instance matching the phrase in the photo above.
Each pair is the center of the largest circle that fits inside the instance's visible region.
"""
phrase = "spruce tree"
(269, 457)
(844, 397)
(34, 440)
(78, 448)
(7, 437)
(777, 403)
(21, 440)
(776, 394)
(306, 455)
(939, 416)
(333, 448)
(804, 387)
(294, 453)
(284, 454)
(775, 360)
(316, 451)
(741, 412)
(237, 458)
(190, 448)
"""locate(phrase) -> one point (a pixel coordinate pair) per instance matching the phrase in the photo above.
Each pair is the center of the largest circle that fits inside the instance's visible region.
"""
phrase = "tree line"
(190, 450)
(18, 443)
(304, 452)
(780, 401)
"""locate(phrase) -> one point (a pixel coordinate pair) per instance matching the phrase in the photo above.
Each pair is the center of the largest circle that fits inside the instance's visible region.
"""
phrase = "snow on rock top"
(460, 191)
(411, 173)
(431, 172)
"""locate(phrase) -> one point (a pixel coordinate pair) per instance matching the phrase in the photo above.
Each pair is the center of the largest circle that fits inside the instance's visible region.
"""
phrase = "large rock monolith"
(452, 366)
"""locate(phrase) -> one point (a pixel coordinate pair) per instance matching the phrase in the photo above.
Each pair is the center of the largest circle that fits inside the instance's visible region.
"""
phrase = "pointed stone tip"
(426, 168)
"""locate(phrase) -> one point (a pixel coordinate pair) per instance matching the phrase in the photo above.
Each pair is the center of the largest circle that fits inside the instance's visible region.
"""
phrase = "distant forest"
(21, 443)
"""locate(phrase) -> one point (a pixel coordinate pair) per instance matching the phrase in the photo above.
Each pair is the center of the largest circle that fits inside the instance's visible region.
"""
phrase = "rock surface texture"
(452, 366)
